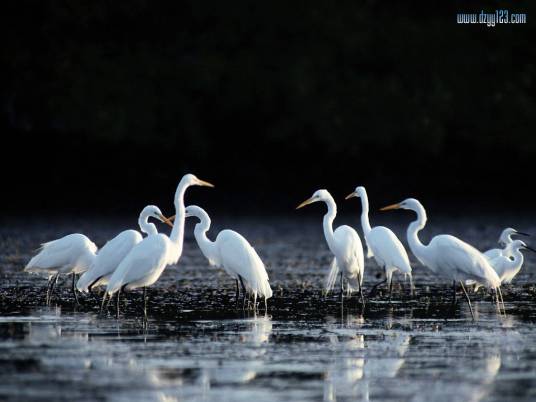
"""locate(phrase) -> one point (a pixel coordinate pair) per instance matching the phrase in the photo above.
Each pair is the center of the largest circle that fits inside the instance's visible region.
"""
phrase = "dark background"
(104, 105)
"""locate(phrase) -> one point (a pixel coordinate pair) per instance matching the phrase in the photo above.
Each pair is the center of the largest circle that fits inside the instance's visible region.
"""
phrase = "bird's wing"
(493, 253)
(61, 252)
(462, 258)
(331, 279)
(238, 256)
(143, 260)
(388, 248)
(109, 257)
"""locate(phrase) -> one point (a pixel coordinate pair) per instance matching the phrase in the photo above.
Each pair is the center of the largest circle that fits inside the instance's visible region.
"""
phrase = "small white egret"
(507, 268)
(344, 243)
(232, 252)
(448, 256)
(146, 261)
(504, 240)
(382, 244)
(115, 250)
(72, 254)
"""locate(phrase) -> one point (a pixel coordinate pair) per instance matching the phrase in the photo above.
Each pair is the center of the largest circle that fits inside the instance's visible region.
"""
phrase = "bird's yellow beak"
(351, 195)
(306, 202)
(172, 218)
(167, 221)
(204, 183)
(390, 207)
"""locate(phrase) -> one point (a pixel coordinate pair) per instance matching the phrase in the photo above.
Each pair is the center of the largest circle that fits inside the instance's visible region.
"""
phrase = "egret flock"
(130, 261)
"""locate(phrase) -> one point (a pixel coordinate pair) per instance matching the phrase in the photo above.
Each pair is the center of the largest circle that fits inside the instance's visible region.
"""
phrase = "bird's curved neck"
(200, 234)
(518, 257)
(147, 227)
(414, 228)
(365, 223)
(177, 234)
(329, 217)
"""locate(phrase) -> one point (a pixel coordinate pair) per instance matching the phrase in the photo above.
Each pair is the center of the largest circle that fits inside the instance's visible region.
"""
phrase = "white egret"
(146, 261)
(345, 245)
(232, 252)
(72, 254)
(382, 244)
(504, 240)
(507, 268)
(448, 256)
(115, 250)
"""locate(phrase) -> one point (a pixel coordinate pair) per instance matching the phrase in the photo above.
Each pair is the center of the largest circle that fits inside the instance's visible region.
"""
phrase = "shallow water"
(198, 346)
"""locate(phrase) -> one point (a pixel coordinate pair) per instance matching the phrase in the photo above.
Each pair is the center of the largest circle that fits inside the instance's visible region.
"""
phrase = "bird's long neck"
(518, 258)
(365, 223)
(177, 234)
(205, 244)
(147, 227)
(414, 228)
(329, 217)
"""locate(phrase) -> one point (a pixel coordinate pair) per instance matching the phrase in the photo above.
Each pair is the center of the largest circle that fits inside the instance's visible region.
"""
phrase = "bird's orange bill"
(172, 218)
(167, 220)
(351, 195)
(306, 202)
(205, 183)
(390, 207)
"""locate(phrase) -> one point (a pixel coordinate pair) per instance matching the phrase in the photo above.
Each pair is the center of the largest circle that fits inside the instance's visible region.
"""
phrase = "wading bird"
(72, 254)
(508, 267)
(115, 250)
(232, 252)
(345, 245)
(448, 256)
(504, 240)
(382, 244)
(146, 261)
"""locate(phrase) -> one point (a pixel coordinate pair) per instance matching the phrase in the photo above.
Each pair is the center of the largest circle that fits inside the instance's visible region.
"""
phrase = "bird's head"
(191, 180)
(409, 203)
(358, 192)
(520, 244)
(319, 195)
(152, 211)
(506, 236)
(195, 211)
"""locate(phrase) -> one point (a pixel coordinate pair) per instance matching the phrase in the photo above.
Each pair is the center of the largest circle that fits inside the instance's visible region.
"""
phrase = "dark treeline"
(105, 104)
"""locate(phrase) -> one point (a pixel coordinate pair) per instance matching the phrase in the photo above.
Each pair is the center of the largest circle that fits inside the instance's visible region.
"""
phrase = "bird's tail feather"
(332, 277)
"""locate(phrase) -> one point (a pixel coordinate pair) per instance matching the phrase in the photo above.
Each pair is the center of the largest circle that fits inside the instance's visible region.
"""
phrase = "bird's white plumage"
(72, 253)
(446, 255)
(143, 265)
(344, 243)
(232, 252)
(146, 261)
(382, 243)
(349, 257)
(108, 259)
(505, 239)
(508, 267)
(114, 251)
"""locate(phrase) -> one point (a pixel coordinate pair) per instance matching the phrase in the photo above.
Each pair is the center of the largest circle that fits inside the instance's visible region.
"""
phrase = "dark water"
(197, 346)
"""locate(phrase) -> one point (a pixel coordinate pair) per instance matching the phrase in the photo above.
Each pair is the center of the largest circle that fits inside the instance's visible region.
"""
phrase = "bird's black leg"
(144, 303)
(103, 301)
(74, 289)
(373, 289)
(237, 291)
(468, 300)
(243, 292)
(49, 285)
(342, 289)
(118, 293)
(390, 287)
(360, 289)
(453, 292)
(54, 282)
